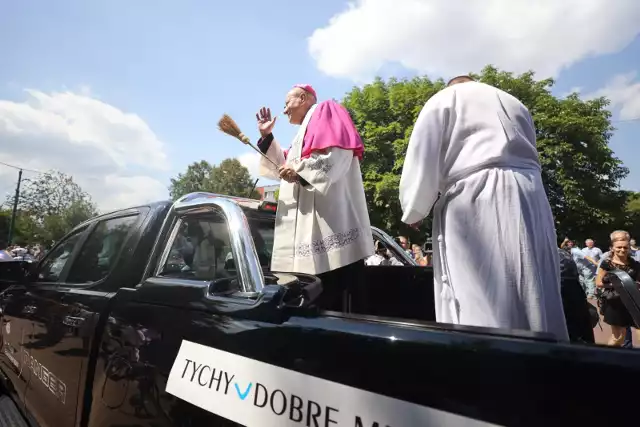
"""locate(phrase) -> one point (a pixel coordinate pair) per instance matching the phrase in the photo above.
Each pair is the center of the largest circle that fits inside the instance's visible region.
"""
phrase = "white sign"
(258, 394)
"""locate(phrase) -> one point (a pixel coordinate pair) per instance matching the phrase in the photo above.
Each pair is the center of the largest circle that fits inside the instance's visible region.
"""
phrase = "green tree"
(50, 205)
(631, 219)
(633, 202)
(196, 178)
(580, 172)
(230, 178)
(52, 193)
(384, 113)
(55, 227)
(26, 230)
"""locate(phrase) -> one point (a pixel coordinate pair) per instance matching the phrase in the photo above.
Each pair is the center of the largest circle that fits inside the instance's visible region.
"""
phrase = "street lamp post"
(15, 209)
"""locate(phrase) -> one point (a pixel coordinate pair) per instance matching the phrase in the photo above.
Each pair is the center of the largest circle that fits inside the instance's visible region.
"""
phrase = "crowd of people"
(422, 255)
(19, 253)
(593, 267)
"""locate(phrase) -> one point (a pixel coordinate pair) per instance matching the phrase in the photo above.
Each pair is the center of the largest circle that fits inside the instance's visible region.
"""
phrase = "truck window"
(56, 260)
(262, 230)
(201, 249)
(101, 250)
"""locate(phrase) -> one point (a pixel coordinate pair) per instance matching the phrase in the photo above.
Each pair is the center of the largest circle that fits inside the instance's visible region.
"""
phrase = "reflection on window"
(100, 252)
(201, 250)
(262, 230)
(54, 263)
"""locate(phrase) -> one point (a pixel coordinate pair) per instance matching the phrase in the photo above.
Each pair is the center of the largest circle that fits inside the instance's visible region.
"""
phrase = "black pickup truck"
(168, 315)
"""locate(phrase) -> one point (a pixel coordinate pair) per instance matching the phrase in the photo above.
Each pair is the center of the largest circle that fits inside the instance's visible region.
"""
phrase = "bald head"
(297, 104)
(459, 79)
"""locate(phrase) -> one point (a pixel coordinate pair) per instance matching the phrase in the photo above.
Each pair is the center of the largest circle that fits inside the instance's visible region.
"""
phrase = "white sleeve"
(421, 171)
(323, 168)
(275, 153)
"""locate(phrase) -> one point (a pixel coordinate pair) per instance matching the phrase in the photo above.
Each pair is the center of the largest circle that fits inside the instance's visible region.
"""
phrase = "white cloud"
(251, 160)
(111, 154)
(448, 38)
(624, 92)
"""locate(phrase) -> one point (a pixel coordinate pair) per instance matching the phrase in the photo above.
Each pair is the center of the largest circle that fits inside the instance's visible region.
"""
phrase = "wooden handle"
(244, 138)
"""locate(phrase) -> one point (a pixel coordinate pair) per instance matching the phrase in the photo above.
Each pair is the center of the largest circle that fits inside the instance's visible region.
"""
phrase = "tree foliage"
(230, 178)
(384, 113)
(580, 172)
(52, 193)
(49, 206)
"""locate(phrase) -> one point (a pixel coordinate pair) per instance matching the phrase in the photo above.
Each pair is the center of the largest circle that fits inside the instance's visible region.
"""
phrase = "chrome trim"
(389, 242)
(242, 245)
(166, 251)
(155, 261)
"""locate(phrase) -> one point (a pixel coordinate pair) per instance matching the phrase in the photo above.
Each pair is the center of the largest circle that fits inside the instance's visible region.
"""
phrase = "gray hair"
(460, 79)
(619, 235)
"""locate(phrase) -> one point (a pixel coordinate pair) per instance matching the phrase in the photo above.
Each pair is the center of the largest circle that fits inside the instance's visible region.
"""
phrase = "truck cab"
(169, 315)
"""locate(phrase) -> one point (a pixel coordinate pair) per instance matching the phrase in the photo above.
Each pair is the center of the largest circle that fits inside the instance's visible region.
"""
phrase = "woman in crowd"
(611, 305)
(418, 256)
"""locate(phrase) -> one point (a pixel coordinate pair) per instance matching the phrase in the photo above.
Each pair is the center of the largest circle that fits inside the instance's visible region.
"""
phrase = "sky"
(123, 95)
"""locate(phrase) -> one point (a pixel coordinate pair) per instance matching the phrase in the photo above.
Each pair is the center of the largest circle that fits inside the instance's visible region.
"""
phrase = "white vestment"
(495, 251)
(325, 225)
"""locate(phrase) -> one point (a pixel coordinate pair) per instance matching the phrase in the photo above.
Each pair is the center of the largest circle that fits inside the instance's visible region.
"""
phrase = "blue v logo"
(242, 395)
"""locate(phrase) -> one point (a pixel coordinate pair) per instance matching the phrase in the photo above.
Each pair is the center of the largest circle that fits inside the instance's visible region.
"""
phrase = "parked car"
(168, 315)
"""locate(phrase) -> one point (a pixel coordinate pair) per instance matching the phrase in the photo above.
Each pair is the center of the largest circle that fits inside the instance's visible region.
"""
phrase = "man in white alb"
(495, 256)
(322, 221)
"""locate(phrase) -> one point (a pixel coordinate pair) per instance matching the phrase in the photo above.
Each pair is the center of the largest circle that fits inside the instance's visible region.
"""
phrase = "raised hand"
(265, 122)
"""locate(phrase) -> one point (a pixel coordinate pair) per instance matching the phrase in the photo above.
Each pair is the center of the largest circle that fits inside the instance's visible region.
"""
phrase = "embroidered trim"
(294, 149)
(320, 164)
(329, 243)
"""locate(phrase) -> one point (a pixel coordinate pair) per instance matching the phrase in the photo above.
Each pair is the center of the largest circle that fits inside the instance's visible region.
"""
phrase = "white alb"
(325, 225)
(495, 252)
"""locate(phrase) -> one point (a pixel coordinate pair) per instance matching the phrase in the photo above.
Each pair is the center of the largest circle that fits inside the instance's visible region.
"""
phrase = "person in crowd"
(587, 267)
(635, 252)
(611, 306)
(382, 256)
(393, 261)
(322, 220)
(581, 316)
(567, 244)
(378, 258)
(628, 336)
(404, 244)
(591, 251)
(495, 252)
(418, 256)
